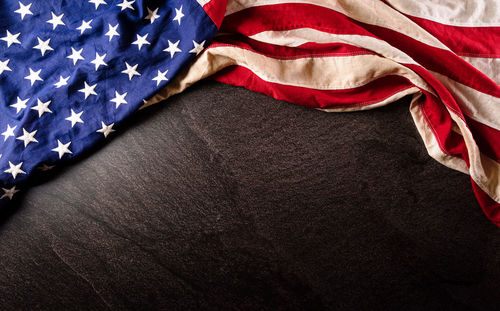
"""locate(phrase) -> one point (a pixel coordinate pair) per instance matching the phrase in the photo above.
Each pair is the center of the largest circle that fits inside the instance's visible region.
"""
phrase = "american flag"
(336, 55)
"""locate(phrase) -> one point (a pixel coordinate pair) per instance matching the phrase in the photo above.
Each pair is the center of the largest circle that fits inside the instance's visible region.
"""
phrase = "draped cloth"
(348, 55)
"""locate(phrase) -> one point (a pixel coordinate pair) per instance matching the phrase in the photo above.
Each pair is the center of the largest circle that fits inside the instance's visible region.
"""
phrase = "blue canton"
(71, 70)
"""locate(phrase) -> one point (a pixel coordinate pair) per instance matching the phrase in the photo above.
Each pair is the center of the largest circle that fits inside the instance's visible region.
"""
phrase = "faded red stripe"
(216, 9)
(367, 94)
(440, 122)
(487, 138)
(488, 205)
(288, 16)
(463, 40)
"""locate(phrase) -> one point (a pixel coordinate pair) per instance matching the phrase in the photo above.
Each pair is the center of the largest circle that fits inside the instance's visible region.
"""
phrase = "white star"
(56, 20)
(62, 82)
(106, 129)
(4, 66)
(99, 61)
(9, 132)
(88, 90)
(28, 137)
(9, 193)
(152, 15)
(62, 148)
(198, 47)
(42, 107)
(15, 169)
(85, 25)
(97, 3)
(20, 104)
(75, 118)
(141, 40)
(34, 76)
(178, 15)
(44, 167)
(119, 99)
(131, 71)
(112, 32)
(126, 4)
(160, 77)
(11, 39)
(172, 48)
(43, 46)
(76, 55)
(24, 10)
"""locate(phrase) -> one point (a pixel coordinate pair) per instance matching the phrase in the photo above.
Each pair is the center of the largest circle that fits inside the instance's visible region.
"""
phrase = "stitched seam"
(311, 55)
(374, 101)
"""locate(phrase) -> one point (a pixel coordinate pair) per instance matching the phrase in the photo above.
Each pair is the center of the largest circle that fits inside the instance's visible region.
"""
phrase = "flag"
(333, 55)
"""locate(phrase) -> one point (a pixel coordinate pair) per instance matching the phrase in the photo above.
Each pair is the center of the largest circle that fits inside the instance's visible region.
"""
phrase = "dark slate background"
(226, 199)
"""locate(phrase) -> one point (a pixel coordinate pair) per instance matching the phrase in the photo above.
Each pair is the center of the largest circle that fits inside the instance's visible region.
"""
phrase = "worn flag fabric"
(70, 70)
(345, 55)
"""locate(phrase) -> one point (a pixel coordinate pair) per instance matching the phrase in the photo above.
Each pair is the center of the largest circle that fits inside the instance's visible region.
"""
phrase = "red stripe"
(487, 138)
(292, 16)
(367, 94)
(440, 122)
(488, 205)
(215, 10)
(285, 52)
(463, 40)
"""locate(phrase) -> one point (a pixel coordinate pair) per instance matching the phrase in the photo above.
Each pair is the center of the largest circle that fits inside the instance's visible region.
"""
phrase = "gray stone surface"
(226, 199)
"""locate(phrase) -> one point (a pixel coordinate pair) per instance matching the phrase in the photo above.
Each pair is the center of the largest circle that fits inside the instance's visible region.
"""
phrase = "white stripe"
(489, 66)
(373, 12)
(320, 73)
(297, 37)
(479, 106)
(203, 2)
(466, 13)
